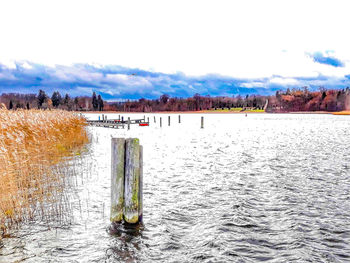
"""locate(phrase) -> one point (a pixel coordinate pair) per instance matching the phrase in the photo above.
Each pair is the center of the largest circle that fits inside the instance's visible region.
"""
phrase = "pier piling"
(160, 121)
(179, 118)
(117, 179)
(127, 181)
(202, 122)
(132, 180)
(128, 123)
(168, 120)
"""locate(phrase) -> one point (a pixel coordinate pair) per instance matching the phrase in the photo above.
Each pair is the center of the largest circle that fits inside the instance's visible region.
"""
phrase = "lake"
(266, 187)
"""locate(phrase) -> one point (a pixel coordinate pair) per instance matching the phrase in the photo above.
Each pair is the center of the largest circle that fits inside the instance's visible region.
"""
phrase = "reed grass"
(32, 145)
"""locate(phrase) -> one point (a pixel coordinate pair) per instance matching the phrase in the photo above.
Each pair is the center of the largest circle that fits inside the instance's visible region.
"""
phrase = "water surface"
(265, 187)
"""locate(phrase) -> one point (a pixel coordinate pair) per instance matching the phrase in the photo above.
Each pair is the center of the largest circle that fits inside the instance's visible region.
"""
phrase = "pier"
(117, 123)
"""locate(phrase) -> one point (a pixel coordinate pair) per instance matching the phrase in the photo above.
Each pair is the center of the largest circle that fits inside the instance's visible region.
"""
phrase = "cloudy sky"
(133, 49)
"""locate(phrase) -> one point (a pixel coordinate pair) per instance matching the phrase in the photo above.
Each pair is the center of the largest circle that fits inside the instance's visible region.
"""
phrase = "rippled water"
(264, 187)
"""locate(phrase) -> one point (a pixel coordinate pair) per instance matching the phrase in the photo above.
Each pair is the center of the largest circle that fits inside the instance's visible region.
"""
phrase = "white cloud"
(253, 84)
(242, 38)
(284, 81)
(129, 80)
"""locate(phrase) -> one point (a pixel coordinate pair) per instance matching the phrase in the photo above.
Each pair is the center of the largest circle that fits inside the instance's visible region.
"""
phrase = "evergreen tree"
(41, 98)
(56, 99)
(76, 103)
(100, 103)
(66, 99)
(94, 101)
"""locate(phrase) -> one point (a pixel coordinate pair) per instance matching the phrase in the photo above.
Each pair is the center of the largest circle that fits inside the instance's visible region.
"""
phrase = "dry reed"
(32, 145)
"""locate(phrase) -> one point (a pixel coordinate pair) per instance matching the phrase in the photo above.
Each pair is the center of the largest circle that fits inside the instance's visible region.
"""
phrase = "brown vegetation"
(32, 143)
(304, 100)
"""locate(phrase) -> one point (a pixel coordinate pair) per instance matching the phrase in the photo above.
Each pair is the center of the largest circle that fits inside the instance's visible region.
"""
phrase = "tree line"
(56, 101)
(304, 100)
(283, 101)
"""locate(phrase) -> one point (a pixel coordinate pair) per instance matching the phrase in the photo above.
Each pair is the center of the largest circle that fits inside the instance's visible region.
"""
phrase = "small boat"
(143, 124)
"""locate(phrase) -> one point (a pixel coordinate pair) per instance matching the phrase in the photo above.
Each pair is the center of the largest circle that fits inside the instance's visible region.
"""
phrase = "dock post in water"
(127, 181)
(160, 121)
(154, 119)
(141, 185)
(117, 179)
(202, 122)
(132, 181)
(148, 119)
(128, 123)
(168, 120)
(179, 118)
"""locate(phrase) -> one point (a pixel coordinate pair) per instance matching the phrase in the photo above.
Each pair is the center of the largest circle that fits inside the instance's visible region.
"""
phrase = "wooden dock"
(117, 123)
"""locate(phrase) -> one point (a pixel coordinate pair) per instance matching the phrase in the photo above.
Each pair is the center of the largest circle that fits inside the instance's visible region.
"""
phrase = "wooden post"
(103, 118)
(141, 186)
(148, 119)
(117, 179)
(128, 123)
(119, 117)
(144, 117)
(154, 119)
(179, 119)
(122, 118)
(202, 122)
(160, 121)
(168, 120)
(126, 181)
(132, 181)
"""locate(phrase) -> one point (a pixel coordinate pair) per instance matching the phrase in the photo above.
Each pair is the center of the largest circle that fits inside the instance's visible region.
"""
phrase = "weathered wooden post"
(179, 119)
(132, 181)
(160, 121)
(141, 185)
(117, 183)
(127, 181)
(148, 119)
(154, 117)
(144, 117)
(122, 118)
(103, 118)
(168, 120)
(128, 123)
(202, 122)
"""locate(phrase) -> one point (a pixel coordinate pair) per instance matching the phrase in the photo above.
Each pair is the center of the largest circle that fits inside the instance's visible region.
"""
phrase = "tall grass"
(32, 144)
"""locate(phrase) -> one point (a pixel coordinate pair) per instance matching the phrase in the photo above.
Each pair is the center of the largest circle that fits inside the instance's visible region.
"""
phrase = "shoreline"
(215, 112)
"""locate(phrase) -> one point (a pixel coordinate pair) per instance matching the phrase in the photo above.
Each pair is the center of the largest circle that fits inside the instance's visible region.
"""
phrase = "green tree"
(100, 103)
(56, 99)
(42, 97)
(94, 101)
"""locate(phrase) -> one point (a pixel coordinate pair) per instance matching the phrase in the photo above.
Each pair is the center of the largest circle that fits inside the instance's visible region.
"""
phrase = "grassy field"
(31, 144)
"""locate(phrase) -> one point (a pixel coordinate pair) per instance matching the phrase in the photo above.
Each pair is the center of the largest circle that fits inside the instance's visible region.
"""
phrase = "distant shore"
(217, 112)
